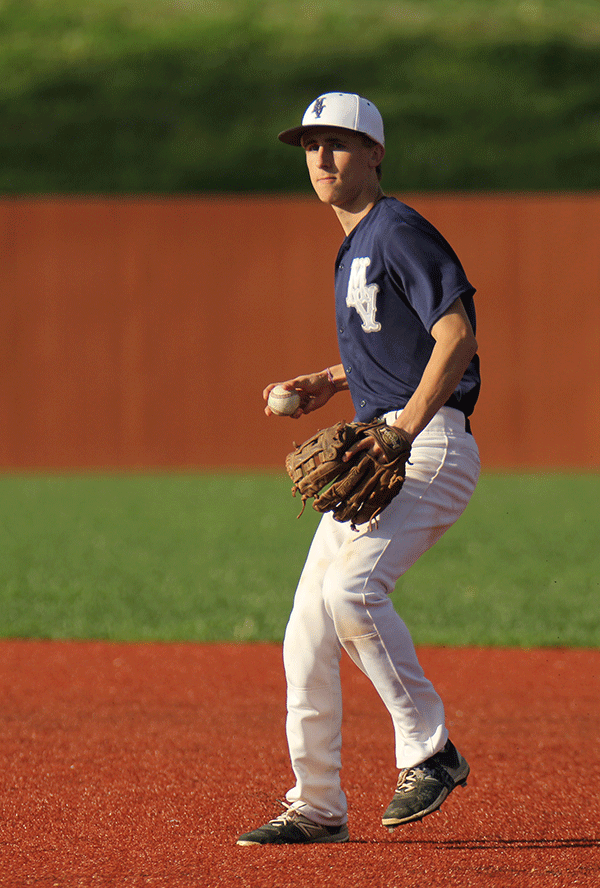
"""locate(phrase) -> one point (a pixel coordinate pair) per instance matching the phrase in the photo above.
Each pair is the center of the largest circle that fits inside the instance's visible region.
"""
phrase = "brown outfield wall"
(134, 331)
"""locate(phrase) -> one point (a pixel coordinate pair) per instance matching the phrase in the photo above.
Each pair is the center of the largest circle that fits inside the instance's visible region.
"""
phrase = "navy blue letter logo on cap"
(317, 109)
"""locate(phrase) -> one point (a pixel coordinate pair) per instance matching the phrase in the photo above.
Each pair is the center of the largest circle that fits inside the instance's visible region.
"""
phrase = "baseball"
(282, 402)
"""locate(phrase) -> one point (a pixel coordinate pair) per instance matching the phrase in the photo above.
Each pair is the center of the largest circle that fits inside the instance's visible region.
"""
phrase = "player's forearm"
(445, 369)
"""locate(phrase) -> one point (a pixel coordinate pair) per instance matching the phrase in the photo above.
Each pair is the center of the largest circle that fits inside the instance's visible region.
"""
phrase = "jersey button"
(363, 403)
(348, 369)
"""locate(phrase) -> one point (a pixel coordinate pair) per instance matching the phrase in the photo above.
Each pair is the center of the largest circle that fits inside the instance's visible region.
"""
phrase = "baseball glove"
(358, 489)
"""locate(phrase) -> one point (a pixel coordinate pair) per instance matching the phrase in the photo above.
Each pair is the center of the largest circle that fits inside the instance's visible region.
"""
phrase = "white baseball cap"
(344, 110)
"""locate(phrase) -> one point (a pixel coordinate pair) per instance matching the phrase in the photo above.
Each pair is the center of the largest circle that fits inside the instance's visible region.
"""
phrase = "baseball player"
(406, 335)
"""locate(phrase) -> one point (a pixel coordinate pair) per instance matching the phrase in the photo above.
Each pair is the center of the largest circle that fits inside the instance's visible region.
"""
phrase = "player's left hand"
(373, 448)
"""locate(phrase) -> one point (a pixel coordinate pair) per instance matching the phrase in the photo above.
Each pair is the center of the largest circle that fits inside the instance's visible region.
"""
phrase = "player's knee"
(352, 601)
(344, 598)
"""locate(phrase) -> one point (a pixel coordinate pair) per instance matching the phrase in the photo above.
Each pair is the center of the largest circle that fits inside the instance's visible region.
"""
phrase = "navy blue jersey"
(395, 276)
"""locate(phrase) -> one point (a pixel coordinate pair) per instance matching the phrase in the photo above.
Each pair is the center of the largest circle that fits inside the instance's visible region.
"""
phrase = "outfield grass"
(193, 558)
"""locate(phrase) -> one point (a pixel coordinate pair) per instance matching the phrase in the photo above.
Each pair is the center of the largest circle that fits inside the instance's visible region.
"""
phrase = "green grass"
(522, 567)
(193, 557)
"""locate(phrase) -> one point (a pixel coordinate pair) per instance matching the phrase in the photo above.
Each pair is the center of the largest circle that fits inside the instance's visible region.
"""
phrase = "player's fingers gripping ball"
(282, 402)
(357, 490)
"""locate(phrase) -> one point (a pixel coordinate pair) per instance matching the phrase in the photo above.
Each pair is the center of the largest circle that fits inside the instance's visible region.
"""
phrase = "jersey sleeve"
(425, 270)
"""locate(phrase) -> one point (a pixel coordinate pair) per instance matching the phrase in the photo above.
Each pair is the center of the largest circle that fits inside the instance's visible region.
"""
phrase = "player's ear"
(377, 154)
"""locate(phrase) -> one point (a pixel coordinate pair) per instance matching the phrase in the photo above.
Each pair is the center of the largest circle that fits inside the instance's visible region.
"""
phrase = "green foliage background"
(179, 96)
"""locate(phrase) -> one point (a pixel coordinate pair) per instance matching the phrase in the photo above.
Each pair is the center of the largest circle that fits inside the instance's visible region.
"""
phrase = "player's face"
(340, 164)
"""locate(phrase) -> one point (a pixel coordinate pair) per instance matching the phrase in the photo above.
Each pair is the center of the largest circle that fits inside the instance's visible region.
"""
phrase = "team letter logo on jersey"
(363, 296)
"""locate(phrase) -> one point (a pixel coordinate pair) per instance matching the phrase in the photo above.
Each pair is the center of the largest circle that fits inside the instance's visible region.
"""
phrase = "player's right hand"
(314, 389)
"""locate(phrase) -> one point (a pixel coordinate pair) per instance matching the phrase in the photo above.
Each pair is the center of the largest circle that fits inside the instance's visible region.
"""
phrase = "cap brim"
(292, 136)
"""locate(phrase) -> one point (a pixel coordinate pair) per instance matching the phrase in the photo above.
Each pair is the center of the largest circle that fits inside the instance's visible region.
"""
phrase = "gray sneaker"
(293, 828)
(422, 789)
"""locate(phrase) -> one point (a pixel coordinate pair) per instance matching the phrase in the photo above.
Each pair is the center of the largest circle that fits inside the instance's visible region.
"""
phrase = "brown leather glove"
(361, 488)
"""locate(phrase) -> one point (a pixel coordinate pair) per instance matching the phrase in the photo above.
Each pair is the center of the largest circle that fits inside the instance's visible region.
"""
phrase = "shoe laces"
(410, 776)
(293, 815)
(289, 815)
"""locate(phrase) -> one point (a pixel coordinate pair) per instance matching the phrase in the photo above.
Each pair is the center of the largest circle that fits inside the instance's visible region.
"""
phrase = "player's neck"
(349, 217)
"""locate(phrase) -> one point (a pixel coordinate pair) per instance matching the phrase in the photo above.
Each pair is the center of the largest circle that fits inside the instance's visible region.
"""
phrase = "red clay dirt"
(138, 765)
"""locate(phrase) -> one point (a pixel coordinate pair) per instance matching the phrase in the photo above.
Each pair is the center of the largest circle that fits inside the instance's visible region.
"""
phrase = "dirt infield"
(138, 765)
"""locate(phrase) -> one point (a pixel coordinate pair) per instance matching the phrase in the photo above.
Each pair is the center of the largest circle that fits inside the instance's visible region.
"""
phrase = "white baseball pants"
(342, 601)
